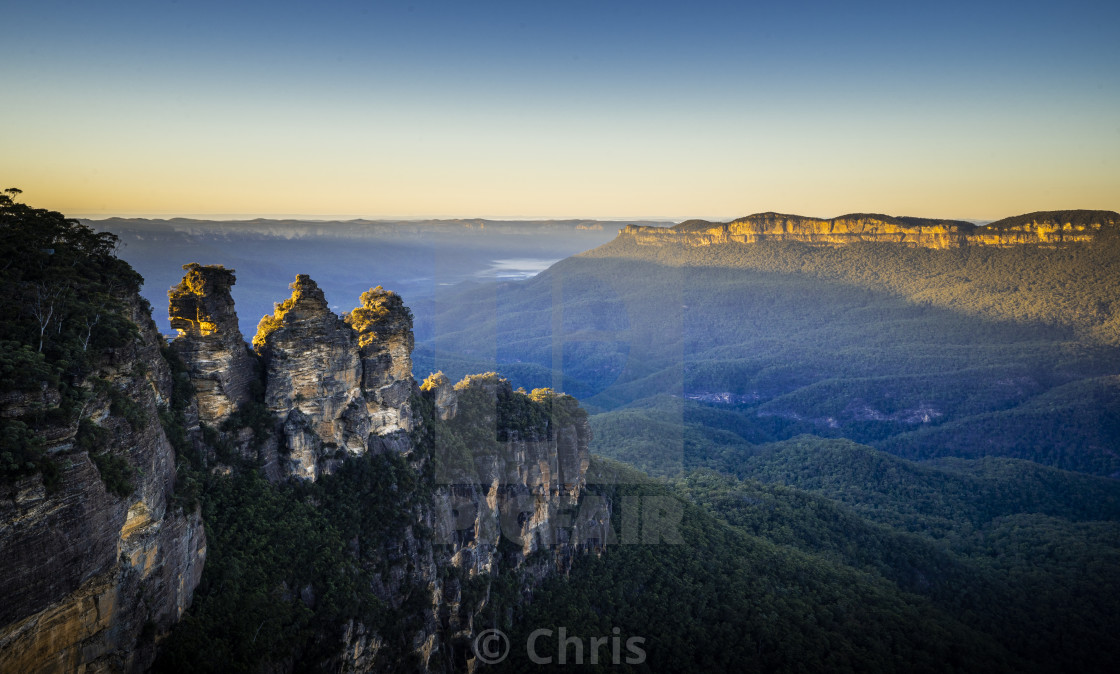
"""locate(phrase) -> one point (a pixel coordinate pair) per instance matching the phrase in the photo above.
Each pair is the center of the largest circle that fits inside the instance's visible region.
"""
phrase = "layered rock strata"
(91, 579)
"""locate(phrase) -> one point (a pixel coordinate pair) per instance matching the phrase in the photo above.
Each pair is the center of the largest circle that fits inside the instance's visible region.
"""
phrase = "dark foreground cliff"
(98, 555)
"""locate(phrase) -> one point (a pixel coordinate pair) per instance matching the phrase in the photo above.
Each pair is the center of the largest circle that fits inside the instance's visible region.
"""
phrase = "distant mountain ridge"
(356, 228)
(1041, 227)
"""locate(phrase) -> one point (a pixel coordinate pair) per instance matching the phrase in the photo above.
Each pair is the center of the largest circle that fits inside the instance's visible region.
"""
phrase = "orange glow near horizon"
(502, 193)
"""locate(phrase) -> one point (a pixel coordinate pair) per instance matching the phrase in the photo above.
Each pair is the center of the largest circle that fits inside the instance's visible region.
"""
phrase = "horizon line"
(349, 217)
(346, 217)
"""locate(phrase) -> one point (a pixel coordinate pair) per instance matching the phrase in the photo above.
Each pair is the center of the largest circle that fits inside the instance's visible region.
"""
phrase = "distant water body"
(516, 269)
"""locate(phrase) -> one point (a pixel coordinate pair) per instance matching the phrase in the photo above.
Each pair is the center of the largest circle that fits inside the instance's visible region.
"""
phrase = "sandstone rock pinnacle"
(210, 342)
(314, 378)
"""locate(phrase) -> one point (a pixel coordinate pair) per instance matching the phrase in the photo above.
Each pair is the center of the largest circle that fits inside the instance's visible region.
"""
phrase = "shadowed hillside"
(977, 350)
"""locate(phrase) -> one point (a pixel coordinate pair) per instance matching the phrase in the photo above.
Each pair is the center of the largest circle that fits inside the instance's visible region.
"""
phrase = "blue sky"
(591, 109)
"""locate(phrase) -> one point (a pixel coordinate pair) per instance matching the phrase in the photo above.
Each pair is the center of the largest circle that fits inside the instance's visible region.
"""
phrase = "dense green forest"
(773, 577)
(828, 555)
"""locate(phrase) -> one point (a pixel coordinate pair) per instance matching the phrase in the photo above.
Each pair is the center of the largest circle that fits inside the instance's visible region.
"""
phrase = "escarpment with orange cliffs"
(1048, 228)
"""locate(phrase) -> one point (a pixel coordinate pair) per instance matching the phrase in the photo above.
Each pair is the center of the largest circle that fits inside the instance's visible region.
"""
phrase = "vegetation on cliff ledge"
(381, 314)
(188, 308)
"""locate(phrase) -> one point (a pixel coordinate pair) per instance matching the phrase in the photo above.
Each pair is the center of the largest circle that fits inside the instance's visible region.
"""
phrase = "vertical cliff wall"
(313, 381)
(384, 327)
(507, 466)
(97, 567)
(422, 505)
(507, 508)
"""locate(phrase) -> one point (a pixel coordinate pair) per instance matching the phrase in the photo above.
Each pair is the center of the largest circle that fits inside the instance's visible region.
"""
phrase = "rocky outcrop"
(338, 386)
(508, 499)
(528, 464)
(314, 375)
(1046, 228)
(442, 393)
(499, 488)
(92, 578)
(509, 467)
(210, 342)
(384, 327)
(100, 563)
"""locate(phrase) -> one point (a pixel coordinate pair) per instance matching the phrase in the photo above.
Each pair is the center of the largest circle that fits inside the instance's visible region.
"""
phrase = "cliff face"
(95, 570)
(337, 386)
(519, 473)
(1047, 228)
(108, 448)
(313, 374)
(509, 501)
(384, 328)
(209, 341)
(502, 472)
(98, 569)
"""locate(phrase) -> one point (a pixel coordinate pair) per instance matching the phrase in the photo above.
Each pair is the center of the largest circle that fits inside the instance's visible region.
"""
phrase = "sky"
(605, 109)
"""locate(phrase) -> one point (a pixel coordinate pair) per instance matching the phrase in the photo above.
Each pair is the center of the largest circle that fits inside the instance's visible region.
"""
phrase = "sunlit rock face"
(1047, 228)
(837, 231)
(313, 374)
(92, 579)
(337, 385)
(509, 491)
(210, 342)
